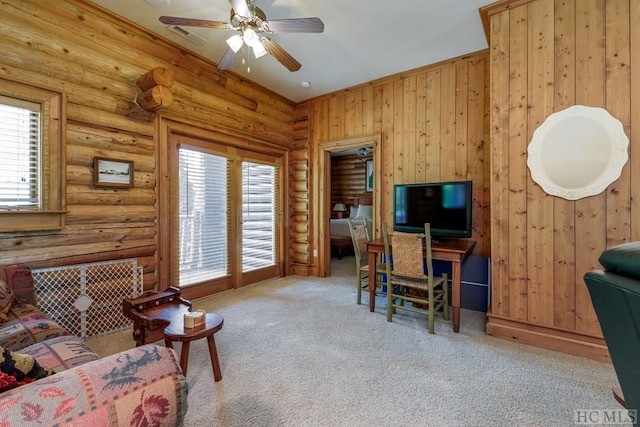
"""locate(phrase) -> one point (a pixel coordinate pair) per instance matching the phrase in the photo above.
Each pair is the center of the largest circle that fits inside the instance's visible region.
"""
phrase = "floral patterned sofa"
(49, 377)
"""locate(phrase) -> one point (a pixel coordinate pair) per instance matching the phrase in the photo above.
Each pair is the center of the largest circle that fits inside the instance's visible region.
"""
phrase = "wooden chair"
(360, 237)
(408, 281)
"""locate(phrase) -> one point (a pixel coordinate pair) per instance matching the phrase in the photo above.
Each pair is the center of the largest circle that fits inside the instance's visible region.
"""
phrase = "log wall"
(95, 58)
(348, 176)
(548, 55)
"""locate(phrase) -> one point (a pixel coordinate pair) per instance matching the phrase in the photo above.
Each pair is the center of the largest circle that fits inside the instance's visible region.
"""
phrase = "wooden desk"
(454, 251)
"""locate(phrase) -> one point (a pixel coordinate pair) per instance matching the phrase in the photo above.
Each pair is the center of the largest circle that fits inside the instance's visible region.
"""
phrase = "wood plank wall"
(434, 127)
(548, 55)
(348, 175)
(72, 46)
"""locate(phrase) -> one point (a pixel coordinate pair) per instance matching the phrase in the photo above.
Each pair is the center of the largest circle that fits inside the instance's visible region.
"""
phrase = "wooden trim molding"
(565, 341)
(10, 221)
(491, 9)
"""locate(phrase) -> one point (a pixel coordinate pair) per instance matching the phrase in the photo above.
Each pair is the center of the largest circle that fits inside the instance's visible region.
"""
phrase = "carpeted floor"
(299, 352)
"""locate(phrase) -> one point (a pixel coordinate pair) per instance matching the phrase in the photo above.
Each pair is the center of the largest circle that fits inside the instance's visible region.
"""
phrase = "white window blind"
(259, 189)
(19, 154)
(203, 234)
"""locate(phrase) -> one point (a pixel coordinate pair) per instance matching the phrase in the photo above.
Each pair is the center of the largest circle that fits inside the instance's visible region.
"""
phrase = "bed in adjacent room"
(362, 208)
(341, 243)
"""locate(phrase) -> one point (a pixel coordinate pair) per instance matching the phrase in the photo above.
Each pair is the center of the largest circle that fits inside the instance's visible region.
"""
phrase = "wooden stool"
(177, 332)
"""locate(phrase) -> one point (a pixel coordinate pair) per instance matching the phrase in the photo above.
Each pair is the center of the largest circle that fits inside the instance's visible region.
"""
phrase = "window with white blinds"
(20, 178)
(203, 225)
(259, 190)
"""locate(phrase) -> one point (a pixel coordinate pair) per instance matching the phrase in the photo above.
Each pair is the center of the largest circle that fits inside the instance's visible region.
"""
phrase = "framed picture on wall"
(369, 176)
(112, 172)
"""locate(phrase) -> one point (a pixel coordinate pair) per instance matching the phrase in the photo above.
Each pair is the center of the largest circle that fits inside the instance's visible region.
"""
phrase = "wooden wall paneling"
(500, 121)
(337, 116)
(367, 126)
(377, 126)
(618, 103)
(433, 128)
(564, 245)
(353, 114)
(424, 118)
(447, 143)
(388, 150)
(486, 171)
(319, 126)
(397, 173)
(539, 205)
(577, 52)
(590, 222)
(421, 128)
(462, 121)
(634, 131)
(517, 169)
(409, 159)
(476, 150)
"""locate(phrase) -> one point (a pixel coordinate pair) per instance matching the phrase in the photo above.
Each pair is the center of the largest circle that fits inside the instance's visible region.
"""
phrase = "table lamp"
(339, 208)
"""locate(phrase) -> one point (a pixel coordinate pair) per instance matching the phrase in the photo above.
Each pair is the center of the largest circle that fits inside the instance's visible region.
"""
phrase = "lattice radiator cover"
(86, 299)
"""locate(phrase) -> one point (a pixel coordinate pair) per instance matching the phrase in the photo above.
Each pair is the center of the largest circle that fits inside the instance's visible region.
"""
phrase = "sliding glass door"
(225, 218)
(258, 216)
(202, 216)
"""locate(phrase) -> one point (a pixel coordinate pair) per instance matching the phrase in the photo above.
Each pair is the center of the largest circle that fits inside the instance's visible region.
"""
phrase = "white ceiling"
(363, 40)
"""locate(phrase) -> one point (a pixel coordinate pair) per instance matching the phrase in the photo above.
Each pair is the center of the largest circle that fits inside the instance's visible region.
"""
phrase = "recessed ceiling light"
(305, 84)
(158, 3)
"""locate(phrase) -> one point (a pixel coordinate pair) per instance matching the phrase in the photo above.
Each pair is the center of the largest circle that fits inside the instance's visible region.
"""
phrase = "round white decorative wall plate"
(577, 152)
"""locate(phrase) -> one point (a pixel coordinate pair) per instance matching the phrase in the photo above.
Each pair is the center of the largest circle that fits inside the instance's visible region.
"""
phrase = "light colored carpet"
(299, 352)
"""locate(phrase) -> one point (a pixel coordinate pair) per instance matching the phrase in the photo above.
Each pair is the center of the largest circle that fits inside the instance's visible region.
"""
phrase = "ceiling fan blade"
(173, 20)
(240, 7)
(227, 60)
(281, 55)
(296, 25)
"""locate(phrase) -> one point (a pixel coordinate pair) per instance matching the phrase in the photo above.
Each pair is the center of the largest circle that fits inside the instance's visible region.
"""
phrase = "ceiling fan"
(251, 22)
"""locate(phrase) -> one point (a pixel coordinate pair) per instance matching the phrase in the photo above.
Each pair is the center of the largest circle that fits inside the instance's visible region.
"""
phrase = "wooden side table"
(177, 332)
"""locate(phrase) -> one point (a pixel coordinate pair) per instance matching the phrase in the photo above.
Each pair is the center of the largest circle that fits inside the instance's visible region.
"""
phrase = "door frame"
(321, 183)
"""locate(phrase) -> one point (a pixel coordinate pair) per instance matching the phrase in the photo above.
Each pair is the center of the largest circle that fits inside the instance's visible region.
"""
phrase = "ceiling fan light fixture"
(249, 22)
(259, 50)
(235, 43)
(251, 38)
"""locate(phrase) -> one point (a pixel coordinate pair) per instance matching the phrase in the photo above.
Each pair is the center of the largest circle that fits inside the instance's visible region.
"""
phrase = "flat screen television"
(446, 206)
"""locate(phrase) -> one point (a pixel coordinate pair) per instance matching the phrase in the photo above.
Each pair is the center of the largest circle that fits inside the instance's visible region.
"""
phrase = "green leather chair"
(615, 294)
